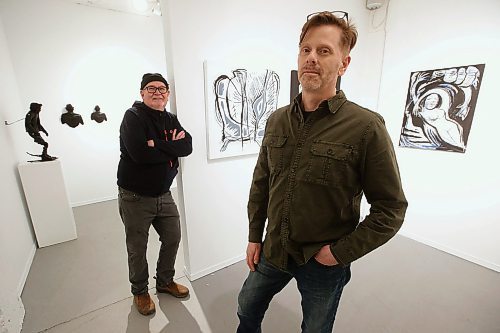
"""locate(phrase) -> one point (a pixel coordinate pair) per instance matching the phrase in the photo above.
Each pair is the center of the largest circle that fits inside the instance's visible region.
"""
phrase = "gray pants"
(138, 213)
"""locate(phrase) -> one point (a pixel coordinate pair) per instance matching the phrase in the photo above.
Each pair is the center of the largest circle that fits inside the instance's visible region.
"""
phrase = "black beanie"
(150, 77)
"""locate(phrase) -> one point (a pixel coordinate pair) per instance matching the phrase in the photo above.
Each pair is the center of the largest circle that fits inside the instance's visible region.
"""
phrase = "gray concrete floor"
(403, 287)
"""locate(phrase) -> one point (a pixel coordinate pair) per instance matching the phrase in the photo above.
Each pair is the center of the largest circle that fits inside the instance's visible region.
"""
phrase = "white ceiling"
(127, 6)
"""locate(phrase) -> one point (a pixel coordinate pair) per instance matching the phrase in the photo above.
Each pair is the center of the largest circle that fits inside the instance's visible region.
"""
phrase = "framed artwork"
(440, 106)
(238, 101)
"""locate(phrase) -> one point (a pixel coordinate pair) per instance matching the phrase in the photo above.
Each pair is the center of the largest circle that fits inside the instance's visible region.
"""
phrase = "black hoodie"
(145, 170)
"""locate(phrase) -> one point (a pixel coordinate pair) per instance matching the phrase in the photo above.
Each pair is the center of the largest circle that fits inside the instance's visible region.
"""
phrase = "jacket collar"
(143, 107)
(334, 103)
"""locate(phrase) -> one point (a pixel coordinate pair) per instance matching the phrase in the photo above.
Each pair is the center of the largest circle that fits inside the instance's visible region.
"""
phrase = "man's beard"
(310, 83)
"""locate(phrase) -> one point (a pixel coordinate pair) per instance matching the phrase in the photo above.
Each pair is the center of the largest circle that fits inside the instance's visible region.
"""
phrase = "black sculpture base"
(44, 157)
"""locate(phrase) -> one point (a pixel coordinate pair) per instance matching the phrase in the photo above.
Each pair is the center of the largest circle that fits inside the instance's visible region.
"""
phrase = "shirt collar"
(334, 103)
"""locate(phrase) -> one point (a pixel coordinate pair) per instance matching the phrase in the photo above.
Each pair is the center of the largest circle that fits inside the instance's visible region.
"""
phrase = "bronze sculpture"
(97, 115)
(33, 127)
(70, 118)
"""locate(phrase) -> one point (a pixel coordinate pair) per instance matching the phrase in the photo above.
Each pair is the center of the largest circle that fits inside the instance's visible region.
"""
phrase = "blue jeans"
(320, 287)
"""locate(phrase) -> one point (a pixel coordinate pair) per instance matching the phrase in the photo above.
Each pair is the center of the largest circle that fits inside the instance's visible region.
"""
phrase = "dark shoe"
(144, 304)
(46, 157)
(174, 289)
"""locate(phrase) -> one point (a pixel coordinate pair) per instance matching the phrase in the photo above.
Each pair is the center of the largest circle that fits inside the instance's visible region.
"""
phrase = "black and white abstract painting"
(239, 101)
(440, 107)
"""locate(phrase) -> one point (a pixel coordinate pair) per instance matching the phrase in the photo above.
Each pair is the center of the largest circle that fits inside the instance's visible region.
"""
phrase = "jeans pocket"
(128, 196)
(317, 263)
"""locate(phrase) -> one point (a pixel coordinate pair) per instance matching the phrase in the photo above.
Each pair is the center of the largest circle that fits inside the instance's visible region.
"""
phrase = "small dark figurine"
(97, 115)
(71, 118)
(33, 127)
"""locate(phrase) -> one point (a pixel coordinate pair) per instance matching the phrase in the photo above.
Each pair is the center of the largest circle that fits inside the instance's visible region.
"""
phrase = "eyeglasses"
(152, 90)
(337, 13)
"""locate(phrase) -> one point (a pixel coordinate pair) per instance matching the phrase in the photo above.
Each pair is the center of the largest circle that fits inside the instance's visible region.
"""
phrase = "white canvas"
(239, 99)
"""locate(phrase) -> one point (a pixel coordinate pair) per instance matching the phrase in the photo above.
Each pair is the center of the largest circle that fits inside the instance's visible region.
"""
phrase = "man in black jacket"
(151, 141)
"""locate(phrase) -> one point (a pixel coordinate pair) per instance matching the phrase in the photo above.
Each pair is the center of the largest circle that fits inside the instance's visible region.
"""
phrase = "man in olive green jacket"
(319, 155)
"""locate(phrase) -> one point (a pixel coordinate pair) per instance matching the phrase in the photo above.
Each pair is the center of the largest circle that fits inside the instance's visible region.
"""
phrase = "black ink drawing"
(440, 107)
(243, 102)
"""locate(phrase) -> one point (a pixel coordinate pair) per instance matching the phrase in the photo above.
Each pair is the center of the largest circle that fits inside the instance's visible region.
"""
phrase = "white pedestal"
(48, 203)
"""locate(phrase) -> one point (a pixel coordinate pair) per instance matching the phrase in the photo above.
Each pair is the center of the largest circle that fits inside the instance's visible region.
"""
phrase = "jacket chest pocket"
(329, 163)
(277, 153)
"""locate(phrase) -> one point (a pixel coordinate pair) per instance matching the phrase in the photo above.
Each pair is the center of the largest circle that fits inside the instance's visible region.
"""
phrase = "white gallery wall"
(65, 53)
(454, 198)
(55, 52)
(249, 33)
(17, 244)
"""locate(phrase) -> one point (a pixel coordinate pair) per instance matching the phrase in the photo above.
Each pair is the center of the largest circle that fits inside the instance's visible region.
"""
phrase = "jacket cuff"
(255, 236)
(343, 255)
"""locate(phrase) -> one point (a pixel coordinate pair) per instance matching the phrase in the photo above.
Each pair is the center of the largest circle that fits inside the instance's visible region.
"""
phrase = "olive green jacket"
(310, 177)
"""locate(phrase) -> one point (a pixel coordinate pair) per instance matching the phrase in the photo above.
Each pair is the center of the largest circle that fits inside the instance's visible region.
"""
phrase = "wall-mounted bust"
(70, 118)
(97, 115)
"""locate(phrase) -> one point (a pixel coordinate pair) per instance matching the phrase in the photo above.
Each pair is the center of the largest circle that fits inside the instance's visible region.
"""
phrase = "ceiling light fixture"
(140, 5)
(156, 9)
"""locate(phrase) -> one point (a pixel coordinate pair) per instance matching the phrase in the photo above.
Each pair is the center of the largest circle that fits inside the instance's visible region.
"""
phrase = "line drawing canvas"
(440, 106)
(239, 100)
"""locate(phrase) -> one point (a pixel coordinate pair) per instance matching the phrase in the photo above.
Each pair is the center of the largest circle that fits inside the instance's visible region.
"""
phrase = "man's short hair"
(349, 32)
